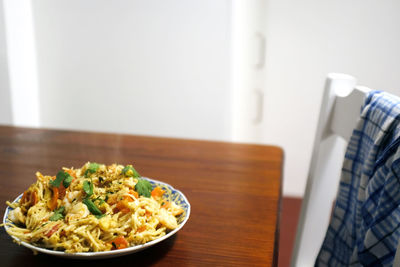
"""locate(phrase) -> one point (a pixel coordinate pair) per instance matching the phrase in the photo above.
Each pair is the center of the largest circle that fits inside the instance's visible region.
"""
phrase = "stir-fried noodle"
(94, 208)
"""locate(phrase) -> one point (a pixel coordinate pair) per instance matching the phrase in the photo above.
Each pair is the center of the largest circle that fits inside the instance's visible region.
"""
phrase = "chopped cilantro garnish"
(67, 180)
(143, 187)
(88, 187)
(58, 214)
(92, 168)
(63, 177)
(130, 171)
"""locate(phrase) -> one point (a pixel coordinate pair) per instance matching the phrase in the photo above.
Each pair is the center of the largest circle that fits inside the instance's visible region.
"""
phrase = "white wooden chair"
(340, 110)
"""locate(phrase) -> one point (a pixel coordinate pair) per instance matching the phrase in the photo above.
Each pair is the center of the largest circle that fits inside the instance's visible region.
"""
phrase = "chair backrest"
(340, 110)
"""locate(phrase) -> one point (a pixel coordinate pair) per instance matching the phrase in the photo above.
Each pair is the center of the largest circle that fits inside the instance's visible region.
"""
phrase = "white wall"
(5, 100)
(143, 67)
(21, 62)
(305, 41)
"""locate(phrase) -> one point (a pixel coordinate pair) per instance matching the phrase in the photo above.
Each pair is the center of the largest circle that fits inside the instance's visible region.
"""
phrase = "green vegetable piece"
(130, 171)
(88, 187)
(63, 177)
(101, 201)
(99, 216)
(143, 187)
(56, 217)
(92, 168)
(92, 207)
(67, 180)
(58, 214)
(59, 178)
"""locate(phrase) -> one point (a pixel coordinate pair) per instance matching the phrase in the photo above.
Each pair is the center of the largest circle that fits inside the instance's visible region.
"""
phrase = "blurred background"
(242, 71)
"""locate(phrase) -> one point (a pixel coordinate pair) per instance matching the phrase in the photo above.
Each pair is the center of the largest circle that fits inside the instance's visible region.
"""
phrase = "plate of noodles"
(96, 211)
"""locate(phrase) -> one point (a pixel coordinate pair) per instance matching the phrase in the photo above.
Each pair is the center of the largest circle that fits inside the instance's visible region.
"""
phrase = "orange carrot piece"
(119, 243)
(166, 205)
(121, 207)
(52, 204)
(52, 230)
(24, 197)
(134, 193)
(34, 198)
(148, 213)
(157, 192)
(61, 191)
(141, 229)
(29, 198)
(128, 198)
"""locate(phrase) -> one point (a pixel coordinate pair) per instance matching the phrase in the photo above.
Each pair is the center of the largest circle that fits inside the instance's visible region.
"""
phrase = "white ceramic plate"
(171, 193)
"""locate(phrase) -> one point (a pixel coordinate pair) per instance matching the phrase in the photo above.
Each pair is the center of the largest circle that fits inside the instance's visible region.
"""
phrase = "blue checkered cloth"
(365, 225)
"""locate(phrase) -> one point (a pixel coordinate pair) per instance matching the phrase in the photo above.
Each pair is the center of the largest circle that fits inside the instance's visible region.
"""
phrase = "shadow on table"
(12, 254)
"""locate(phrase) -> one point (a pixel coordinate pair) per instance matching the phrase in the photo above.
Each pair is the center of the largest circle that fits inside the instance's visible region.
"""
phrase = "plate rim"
(118, 252)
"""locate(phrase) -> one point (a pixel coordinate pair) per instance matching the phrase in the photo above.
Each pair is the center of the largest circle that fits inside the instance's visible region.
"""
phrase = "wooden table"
(234, 191)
